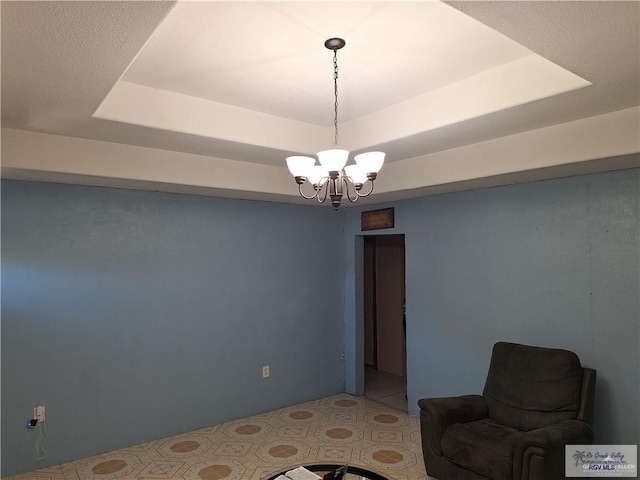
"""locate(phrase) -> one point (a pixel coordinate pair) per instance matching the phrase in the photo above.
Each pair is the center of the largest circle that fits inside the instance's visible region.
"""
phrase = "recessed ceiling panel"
(269, 56)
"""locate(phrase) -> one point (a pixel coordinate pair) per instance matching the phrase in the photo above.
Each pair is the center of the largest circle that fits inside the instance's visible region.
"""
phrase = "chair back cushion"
(532, 387)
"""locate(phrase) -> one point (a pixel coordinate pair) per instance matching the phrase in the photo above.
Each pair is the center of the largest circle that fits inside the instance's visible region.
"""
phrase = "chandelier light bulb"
(317, 175)
(357, 174)
(371, 162)
(299, 166)
(333, 160)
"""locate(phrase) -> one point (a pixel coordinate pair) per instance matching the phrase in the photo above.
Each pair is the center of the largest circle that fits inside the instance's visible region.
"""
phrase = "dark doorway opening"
(385, 323)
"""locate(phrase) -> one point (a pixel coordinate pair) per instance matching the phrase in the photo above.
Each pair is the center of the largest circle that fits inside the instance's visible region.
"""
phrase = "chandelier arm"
(368, 193)
(348, 182)
(324, 187)
(305, 196)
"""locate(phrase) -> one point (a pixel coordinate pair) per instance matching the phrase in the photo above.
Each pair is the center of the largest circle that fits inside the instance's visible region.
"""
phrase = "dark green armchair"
(535, 401)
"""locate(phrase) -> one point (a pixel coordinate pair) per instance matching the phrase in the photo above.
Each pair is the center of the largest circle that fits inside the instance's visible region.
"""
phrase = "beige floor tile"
(338, 429)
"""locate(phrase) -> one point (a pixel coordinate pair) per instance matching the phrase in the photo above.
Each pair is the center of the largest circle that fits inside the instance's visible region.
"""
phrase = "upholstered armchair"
(535, 401)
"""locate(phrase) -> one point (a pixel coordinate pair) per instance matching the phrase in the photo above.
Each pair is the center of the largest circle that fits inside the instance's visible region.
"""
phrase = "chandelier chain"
(335, 94)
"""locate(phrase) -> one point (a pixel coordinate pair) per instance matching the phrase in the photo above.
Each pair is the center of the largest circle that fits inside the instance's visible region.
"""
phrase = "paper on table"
(301, 473)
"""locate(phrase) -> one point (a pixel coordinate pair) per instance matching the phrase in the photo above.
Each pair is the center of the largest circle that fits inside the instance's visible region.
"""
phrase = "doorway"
(385, 354)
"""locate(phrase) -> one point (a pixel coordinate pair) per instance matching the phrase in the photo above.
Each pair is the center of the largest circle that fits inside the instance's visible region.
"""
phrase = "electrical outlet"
(38, 413)
(265, 371)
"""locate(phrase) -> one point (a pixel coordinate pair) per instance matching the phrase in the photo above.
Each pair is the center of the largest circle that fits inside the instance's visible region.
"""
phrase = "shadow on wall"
(603, 420)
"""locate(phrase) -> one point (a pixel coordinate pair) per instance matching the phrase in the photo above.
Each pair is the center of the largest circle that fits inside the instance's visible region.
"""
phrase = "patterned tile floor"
(338, 429)
(386, 388)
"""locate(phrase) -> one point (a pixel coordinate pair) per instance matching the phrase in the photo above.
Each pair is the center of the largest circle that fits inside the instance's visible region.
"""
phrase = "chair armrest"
(562, 433)
(436, 414)
(552, 440)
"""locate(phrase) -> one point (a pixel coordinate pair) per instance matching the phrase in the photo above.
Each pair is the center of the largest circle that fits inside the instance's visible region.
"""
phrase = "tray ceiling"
(209, 97)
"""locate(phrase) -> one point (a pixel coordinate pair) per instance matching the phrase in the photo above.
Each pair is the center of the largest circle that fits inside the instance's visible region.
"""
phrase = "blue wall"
(134, 315)
(552, 263)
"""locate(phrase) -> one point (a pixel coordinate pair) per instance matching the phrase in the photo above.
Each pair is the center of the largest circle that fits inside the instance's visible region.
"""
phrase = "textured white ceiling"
(233, 87)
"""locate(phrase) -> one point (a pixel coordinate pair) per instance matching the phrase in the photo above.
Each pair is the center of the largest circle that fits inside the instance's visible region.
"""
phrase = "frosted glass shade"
(357, 173)
(316, 174)
(370, 161)
(300, 166)
(333, 160)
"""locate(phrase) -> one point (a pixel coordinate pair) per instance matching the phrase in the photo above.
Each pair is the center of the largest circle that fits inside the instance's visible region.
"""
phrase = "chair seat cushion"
(484, 447)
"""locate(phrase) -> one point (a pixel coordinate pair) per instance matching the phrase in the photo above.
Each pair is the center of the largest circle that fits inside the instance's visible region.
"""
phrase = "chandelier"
(331, 178)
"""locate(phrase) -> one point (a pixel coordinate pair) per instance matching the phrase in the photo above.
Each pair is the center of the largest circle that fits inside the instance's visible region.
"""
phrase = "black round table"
(353, 472)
